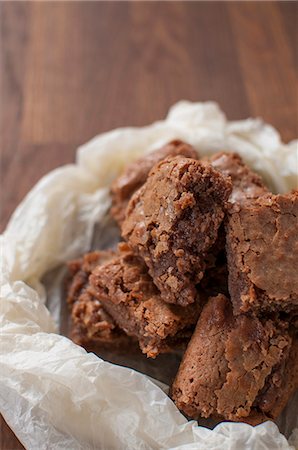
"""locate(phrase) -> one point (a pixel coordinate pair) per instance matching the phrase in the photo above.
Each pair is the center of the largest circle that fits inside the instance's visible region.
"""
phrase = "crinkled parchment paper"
(52, 393)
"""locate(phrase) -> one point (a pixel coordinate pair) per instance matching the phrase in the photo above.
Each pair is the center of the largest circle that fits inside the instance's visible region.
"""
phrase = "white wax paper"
(52, 393)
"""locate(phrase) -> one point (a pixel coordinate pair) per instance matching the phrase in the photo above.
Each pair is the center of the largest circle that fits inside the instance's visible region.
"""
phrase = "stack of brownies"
(208, 262)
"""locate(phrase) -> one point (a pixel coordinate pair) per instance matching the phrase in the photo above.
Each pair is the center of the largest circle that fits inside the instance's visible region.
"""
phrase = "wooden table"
(73, 70)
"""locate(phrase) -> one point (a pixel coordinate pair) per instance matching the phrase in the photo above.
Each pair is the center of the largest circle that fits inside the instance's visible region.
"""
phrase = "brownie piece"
(127, 293)
(247, 184)
(280, 384)
(262, 249)
(172, 221)
(262, 243)
(93, 328)
(79, 271)
(136, 173)
(235, 367)
(91, 325)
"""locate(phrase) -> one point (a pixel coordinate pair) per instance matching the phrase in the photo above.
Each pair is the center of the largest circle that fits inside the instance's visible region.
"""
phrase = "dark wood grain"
(72, 70)
(8, 441)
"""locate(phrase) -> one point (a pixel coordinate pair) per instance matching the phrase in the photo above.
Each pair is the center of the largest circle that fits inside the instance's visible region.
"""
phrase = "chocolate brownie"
(236, 367)
(79, 271)
(280, 384)
(262, 249)
(93, 328)
(172, 221)
(262, 241)
(91, 325)
(247, 184)
(136, 173)
(127, 293)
